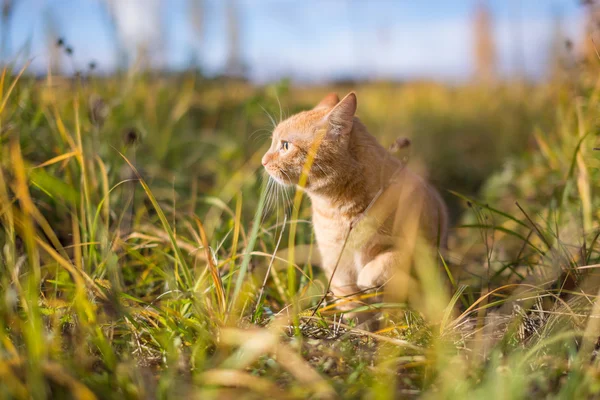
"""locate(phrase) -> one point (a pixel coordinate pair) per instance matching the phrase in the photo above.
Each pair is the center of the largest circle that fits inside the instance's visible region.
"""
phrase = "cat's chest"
(354, 247)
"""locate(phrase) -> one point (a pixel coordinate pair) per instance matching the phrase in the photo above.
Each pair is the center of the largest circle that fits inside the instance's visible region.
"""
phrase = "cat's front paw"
(372, 276)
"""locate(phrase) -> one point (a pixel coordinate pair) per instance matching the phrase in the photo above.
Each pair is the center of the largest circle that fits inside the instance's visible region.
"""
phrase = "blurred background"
(469, 81)
(312, 42)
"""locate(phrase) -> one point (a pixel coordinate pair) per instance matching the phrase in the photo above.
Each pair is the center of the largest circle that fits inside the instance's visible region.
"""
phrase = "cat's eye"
(285, 145)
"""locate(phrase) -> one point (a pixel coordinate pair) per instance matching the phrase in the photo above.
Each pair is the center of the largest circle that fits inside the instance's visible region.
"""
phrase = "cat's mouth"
(280, 178)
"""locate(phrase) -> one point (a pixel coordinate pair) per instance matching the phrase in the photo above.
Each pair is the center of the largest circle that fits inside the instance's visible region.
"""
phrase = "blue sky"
(311, 40)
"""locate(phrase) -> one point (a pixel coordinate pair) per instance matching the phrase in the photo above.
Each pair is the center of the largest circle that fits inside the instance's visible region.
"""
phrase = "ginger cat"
(370, 212)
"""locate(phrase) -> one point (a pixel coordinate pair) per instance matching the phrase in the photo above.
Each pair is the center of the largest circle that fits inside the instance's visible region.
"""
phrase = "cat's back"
(416, 206)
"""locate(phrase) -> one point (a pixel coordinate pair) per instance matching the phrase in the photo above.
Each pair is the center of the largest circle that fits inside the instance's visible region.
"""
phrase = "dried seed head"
(60, 42)
(131, 137)
(569, 44)
(98, 110)
(400, 143)
(69, 50)
(7, 8)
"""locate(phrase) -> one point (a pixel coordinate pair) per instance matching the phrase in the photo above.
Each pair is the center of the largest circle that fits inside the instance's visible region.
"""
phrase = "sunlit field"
(144, 255)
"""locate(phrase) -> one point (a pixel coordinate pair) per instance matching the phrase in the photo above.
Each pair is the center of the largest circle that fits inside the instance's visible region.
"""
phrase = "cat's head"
(321, 134)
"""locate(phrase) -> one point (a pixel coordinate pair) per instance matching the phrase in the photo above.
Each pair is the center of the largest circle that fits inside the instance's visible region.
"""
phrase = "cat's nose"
(265, 160)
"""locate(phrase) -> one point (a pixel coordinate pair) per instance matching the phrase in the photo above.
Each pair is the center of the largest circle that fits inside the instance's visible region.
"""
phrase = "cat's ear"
(328, 101)
(341, 117)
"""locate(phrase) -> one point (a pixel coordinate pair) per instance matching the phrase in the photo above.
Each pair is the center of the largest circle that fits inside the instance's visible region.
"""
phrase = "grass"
(143, 257)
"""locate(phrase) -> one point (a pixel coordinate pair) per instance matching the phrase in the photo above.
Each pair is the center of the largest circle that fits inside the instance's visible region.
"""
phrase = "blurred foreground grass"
(135, 246)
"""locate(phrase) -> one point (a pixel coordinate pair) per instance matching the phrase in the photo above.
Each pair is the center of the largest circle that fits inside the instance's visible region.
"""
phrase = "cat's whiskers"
(277, 198)
(287, 200)
(267, 187)
(262, 177)
(286, 175)
(280, 109)
(269, 197)
(264, 132)
(273, 198)
(277, 211)
(270, 116)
